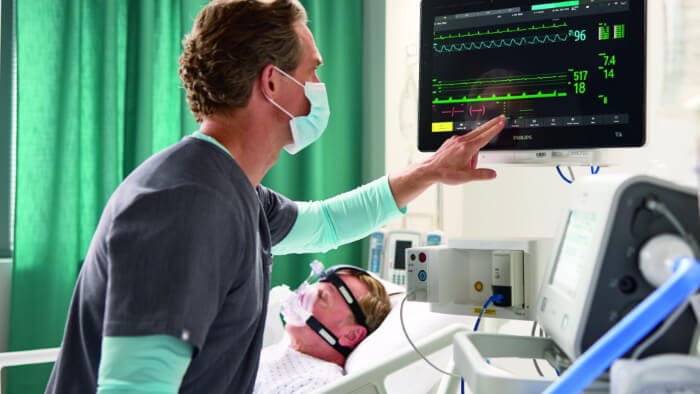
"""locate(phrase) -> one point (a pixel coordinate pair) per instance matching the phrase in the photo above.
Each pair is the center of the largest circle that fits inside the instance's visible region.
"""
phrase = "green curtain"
(98, 92)
(333, 164)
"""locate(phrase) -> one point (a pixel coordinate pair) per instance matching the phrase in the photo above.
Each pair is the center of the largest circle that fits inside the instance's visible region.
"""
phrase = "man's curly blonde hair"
(376, 304)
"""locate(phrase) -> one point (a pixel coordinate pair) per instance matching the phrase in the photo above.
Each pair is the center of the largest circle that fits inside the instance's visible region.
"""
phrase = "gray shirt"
(182, 249)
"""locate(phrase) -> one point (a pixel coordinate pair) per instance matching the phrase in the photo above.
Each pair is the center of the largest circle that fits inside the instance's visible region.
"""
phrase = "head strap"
(327, 336)
(330, 275)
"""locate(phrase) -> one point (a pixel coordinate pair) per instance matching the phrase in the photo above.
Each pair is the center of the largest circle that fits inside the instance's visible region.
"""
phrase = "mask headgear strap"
(330, 275)
(327, 336)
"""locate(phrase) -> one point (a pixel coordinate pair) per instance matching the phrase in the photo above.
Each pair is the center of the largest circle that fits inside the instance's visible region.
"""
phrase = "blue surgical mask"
(307, 129)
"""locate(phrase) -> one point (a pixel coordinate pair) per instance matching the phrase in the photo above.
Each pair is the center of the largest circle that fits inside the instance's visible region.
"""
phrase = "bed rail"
(371, 380)
(27, 357)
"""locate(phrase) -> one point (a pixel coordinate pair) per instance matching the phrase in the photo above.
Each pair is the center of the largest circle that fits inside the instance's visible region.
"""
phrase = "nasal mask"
(296, 309)
(306, 129)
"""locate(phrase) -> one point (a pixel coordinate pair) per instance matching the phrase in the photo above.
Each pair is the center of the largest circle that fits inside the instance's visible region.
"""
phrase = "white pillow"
(390, 287)
(274, 329)
(389, 339)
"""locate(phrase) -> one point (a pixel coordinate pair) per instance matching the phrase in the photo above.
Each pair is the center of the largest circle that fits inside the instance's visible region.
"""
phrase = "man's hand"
(454, 163)
(456, 160)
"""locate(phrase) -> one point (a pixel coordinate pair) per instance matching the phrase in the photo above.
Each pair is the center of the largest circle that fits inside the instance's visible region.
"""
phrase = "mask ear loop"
(273, 102)
(289, 76)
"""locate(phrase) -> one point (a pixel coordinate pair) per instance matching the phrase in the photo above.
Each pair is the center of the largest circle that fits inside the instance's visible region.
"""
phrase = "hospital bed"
(383, 363)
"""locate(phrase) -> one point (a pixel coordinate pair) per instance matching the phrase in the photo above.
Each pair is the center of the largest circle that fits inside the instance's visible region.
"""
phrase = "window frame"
(8, 75)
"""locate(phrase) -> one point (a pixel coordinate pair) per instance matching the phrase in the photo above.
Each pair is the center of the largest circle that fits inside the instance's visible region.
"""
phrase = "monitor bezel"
(537, 139)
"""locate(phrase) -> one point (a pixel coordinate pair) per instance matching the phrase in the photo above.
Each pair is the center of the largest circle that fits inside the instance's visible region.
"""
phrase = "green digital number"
(609, 60)
(580, 87)
(580, 75)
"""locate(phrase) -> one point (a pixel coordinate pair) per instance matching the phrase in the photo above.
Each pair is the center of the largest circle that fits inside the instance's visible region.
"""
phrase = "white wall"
(527, 202)
(5, 282)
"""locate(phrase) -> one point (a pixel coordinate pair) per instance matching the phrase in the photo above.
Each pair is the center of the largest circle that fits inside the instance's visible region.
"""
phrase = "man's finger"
(488, 134)
(477, 132)
(483, 174)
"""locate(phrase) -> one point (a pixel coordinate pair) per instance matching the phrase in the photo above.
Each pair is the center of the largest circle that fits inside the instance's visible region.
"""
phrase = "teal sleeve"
(142, 364)
(325, 225)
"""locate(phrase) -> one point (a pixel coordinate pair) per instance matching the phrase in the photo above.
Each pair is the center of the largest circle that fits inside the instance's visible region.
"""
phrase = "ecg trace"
(516, 29)
(506, 42)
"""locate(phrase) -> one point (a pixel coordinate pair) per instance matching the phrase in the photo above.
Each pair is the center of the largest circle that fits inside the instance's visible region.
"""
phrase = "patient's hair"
(376, 304)
(230, 43)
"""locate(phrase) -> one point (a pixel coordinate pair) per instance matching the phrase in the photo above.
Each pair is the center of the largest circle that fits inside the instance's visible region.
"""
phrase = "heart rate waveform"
(516, 29)
(503, 88)
(501, 43)
(504, 97)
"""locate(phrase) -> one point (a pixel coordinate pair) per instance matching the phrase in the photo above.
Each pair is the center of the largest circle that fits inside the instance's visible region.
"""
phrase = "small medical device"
(560, 109)
(376, 251)
(507, 277)
(459, 277)
(395, 254)
(434, 238)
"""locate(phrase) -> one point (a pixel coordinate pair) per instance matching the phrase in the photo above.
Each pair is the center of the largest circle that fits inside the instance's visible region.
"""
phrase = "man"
(317, 346)
(173, 291)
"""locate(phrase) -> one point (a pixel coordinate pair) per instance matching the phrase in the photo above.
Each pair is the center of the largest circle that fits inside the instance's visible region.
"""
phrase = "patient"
(324, 323)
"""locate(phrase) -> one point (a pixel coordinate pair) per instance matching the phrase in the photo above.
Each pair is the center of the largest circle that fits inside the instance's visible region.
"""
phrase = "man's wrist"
(413, 181)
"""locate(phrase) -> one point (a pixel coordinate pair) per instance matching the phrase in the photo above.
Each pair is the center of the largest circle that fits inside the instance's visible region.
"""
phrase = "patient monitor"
(570, 76)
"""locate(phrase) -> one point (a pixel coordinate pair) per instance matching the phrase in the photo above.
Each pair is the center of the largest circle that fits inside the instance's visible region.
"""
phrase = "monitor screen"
(573, 249)
(400, 254)
(567, 74)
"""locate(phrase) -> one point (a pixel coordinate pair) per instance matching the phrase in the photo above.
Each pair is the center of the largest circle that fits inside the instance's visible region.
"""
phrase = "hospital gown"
(284, 370)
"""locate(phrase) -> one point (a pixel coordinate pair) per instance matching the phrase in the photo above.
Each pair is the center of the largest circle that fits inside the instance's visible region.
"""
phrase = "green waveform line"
(472, 46)
(507, 97)
(518, 29)
(499, 81)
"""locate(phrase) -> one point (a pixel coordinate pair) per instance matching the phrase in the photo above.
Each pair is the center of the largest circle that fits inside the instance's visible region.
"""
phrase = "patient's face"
(331, 310)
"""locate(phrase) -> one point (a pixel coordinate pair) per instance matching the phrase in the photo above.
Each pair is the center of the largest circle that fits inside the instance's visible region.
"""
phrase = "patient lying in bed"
(325, 322)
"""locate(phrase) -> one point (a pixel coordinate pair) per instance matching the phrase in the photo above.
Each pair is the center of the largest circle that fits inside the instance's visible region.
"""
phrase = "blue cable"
(493, 298)
(462, 385)
(631, 329)
(561, 174)
(595, 169)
